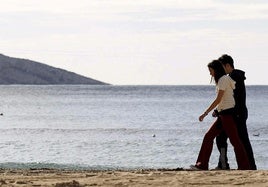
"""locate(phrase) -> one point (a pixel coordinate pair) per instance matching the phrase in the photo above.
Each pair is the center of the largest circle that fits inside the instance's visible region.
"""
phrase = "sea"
(116, 127)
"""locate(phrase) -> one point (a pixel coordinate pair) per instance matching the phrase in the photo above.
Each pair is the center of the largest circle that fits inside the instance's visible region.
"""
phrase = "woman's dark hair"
(218, 69)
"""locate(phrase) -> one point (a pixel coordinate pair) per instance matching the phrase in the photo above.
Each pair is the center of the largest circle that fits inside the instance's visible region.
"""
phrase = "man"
(241, 115)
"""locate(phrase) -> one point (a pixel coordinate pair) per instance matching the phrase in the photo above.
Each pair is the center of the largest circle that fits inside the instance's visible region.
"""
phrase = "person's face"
(212, 72)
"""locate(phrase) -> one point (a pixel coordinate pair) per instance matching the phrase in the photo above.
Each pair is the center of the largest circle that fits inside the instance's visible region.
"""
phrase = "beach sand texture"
(139, 178)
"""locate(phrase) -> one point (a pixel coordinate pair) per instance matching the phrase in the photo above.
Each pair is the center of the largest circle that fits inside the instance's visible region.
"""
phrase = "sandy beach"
(139, 178)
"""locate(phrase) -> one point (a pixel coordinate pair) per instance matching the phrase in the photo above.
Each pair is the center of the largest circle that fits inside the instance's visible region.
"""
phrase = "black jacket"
(240, 93)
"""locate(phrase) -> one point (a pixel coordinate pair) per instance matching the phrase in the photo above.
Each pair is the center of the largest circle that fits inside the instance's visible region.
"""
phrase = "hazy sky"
(134, 42)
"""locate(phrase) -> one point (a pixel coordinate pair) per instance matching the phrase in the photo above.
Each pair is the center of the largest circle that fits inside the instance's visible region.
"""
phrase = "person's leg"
(229, 127)
(206, 147)
(243, 134)
(221, 141)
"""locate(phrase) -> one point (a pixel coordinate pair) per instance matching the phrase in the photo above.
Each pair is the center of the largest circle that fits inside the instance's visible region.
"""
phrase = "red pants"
(229, 126)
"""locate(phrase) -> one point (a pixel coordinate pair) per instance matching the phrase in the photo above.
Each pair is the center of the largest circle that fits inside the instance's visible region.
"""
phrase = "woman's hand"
(213, 105)
(203, 116)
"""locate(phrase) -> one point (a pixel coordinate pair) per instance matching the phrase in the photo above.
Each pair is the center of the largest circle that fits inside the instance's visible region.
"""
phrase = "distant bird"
(256, 134)
(153, 135)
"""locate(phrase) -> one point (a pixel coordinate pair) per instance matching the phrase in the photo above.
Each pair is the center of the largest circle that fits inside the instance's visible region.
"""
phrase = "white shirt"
(227, 84)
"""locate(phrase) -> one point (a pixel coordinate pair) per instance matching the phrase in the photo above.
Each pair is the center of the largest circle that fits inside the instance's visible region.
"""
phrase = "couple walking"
(231, 113)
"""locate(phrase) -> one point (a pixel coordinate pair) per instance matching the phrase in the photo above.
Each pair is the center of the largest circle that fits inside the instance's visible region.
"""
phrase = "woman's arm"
(213, 105)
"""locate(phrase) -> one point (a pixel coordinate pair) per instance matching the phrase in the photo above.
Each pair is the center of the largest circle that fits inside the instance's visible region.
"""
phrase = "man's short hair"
(227, 59)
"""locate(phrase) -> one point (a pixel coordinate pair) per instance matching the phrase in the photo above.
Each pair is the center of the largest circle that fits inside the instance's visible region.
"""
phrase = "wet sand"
(138, 178)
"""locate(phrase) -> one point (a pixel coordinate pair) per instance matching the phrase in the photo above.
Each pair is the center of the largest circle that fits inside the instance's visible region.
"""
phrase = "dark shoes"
(195, 168)
(220, 167)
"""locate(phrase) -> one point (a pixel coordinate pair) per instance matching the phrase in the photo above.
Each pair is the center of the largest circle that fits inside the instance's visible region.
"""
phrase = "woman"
(225, 105)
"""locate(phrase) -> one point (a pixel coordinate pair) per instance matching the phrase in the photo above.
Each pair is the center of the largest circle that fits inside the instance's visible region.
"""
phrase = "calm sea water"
(116, 127)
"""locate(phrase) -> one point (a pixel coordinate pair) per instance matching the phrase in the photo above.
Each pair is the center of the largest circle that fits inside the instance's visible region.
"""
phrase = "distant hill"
(23, 71)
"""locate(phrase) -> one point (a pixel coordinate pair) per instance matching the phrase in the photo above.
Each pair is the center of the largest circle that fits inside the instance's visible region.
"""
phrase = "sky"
(138, 42)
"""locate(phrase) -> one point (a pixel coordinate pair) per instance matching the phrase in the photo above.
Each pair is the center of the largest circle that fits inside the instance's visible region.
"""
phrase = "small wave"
(37, 165)
(105, 130)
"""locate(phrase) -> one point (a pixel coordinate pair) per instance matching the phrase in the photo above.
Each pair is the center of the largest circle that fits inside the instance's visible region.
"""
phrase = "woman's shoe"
(195, 168)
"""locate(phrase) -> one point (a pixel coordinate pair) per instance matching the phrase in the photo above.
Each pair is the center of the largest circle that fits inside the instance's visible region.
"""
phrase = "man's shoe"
(220, 168)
